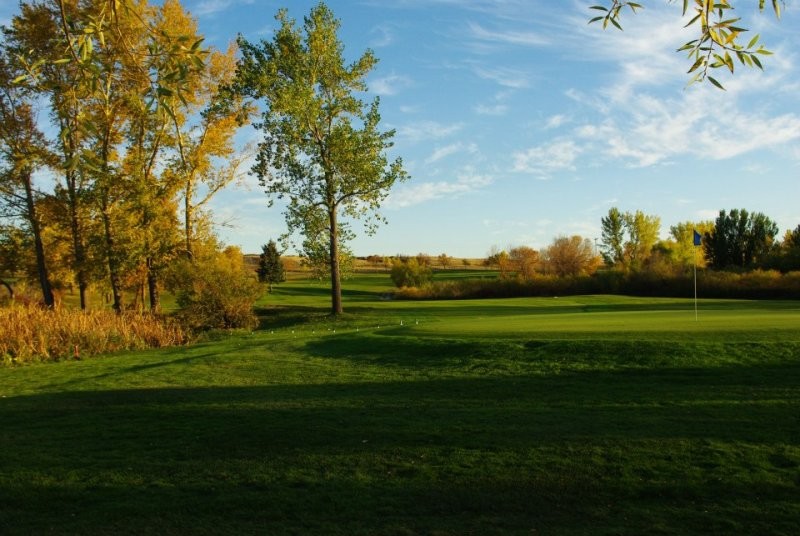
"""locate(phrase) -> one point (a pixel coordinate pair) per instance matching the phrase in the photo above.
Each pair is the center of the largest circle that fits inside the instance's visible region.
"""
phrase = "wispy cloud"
(468, 180)
(491, 109)
(545, 159)
(383, 36)
(209, 7)
(451, 149)
(428, 130)
(508, 37)
(649, 131)
(555, 121)
(391, 84)
(505, 76)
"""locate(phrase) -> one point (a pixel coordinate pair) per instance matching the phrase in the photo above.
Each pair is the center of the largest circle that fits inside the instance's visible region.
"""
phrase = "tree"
(613, 237)
(642, 236)
(525, 261)
(641, 231)
(570, 256)
(322, 149)
(681, 248)
(739, 239)
(444, 260)
(22, 152)
(270, 265)
(789, 253)
(720, 36)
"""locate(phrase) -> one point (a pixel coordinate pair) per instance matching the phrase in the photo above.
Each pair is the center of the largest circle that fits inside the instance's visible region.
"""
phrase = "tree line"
(737, 240)
(113, 140)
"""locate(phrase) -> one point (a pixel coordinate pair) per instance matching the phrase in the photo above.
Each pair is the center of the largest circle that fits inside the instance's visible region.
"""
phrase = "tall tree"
(642, 236)
(21, 153)
(613, 237)
(322, 148)
(628, 238)
(739, 239)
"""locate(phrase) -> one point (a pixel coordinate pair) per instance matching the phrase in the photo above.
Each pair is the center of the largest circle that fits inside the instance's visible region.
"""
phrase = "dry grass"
(31, 333)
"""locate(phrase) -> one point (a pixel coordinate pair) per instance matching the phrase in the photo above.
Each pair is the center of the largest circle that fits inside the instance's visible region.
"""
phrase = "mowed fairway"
(569, 415)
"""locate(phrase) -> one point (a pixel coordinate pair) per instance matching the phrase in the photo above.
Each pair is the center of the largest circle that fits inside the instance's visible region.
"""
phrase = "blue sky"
(518, 122)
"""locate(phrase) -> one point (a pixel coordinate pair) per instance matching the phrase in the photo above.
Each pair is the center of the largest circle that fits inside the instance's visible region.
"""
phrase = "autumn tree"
(322, 148)
(719, 39)
(570, 256)
(642, 236)
(682, 248)
(525, 261)
(22, 151)
(628, 238)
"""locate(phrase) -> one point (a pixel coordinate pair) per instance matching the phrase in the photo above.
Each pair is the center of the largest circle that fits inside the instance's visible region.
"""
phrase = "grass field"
(580, 415)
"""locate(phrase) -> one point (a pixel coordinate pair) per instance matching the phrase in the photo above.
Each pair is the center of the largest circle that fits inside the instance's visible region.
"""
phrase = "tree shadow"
(491, 455)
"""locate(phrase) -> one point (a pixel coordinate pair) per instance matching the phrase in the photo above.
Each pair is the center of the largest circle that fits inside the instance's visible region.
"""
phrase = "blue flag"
(698, 239)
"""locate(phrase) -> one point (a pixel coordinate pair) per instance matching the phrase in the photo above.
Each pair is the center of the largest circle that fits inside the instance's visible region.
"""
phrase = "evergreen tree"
(270, 265)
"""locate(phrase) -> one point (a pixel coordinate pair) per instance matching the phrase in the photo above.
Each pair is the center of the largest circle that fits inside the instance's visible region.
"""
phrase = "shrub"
(410, 273)
(215, 293)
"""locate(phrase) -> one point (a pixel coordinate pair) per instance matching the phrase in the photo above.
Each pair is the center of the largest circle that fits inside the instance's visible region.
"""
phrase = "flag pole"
(697, 240)
(695, 284)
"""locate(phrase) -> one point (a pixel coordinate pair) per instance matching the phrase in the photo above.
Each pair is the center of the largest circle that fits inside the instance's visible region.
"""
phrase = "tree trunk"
(78, 249)
(336, 284)
(9, 288)
(111, 257)
(187, 224)
(41, 265)
(152, 286)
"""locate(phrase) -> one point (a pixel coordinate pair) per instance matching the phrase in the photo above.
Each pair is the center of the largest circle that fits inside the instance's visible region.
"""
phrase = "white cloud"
(555, 121)
(507, 37)
(468, 180)
(648, 131)
(491, 109)
(390, 85)
(447, 150)
(209, 7)
(428, 130)
(545, 159)
(504, 76)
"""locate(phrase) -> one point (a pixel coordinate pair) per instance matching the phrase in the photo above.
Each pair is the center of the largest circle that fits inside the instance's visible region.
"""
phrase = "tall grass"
(31, 333)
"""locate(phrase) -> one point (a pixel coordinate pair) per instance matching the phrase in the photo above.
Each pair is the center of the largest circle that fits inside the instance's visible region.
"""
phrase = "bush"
(711, 284)
(410, 273)
(216, 293)
(32, 333)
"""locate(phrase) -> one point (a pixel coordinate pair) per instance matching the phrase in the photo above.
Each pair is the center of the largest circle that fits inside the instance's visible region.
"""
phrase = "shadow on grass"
(683, 450)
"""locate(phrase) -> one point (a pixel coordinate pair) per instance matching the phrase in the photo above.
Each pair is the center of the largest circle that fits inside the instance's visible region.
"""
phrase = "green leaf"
(753, 41)
(599, 8)
(714, 81)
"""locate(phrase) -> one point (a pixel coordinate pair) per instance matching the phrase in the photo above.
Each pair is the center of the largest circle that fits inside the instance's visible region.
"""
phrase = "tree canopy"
(719, 39)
